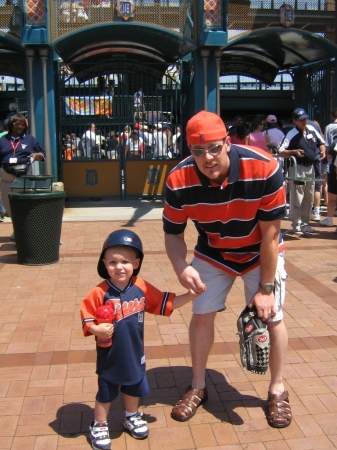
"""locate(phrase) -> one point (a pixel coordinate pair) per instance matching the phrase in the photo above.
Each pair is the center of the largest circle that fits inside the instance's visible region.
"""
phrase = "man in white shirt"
(160, 142)
(89, 140)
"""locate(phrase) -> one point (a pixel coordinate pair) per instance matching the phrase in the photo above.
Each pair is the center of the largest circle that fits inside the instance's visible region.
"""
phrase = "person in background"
(18, 149)
(238, 132)
(332, 185)
(76, 145)
(160, 142)
(272, 131)
(301, 142)
(257, 138)
(330, 134)
(133, 147)
(89, 140)
(320, 167)
(111, 146)
(176, 151)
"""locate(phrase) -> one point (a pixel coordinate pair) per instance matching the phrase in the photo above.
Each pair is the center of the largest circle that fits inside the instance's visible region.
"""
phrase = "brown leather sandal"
(278, 410)
(187, 406)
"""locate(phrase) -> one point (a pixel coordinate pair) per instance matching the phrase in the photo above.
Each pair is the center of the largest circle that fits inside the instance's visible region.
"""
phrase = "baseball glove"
(254, 341)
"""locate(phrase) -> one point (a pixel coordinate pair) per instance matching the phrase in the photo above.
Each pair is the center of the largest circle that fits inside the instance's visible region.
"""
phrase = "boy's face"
(120, 263)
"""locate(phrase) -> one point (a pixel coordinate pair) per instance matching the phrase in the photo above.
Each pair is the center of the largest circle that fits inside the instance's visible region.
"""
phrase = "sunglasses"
(214, 150)
(18, 124)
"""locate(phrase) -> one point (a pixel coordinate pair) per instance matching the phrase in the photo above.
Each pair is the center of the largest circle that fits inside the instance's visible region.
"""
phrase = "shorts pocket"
(280, 288)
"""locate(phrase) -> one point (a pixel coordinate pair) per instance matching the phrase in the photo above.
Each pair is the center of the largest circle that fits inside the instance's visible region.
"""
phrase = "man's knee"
(276, 328)
(202, 321)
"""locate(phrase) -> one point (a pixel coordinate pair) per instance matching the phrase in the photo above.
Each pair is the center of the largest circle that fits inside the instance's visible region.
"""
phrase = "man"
(301, 142)
(235, 197)
(159, 142)
(138, 97)
(76, 145)
(330, 134)
(89, 140)
(138, 104)
(275, 135)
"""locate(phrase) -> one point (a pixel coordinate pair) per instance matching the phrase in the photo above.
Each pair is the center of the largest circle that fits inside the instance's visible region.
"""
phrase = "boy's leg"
(131, 403)
(101, 411)
(99, 430)
(133, 421)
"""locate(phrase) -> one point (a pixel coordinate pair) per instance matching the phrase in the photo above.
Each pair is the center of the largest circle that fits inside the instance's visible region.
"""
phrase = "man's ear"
(136, 264)
(228, 141)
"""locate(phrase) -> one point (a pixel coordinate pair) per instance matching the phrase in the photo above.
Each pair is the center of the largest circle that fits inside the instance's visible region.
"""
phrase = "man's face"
(214, 166)
(301, 124)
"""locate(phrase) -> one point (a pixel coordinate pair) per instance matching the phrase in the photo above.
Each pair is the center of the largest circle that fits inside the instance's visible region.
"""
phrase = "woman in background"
(18, 149)
(256, 138)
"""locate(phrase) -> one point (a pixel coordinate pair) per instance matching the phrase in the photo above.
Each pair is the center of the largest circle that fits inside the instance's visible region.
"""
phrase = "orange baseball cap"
(205, 127)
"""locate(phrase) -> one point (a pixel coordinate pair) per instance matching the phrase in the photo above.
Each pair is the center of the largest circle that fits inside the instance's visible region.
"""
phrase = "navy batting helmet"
(124, 238)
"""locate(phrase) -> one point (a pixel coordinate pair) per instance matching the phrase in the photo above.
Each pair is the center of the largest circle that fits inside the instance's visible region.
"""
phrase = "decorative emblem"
(287, 15)
(249, 328)
(91, 177)
(202, 137)
(153, 176)
(125, 9)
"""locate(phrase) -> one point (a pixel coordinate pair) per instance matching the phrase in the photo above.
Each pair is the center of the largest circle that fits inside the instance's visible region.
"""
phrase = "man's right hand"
(299, 153)
(190, 279)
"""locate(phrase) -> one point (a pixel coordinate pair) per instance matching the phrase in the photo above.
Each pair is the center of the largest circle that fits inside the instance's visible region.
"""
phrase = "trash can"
(37, 219)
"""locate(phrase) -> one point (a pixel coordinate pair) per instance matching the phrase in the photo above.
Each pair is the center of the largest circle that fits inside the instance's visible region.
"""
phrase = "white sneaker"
(315, 217)
(327, 222)
(99, 435)
(308, 229)
(136, 426)
(298, 230)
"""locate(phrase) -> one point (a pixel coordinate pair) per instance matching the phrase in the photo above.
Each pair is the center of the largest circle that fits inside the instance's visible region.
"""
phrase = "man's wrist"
(267, 288)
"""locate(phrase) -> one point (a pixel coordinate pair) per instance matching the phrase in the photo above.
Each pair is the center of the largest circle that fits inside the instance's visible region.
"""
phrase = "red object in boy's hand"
(104, 314)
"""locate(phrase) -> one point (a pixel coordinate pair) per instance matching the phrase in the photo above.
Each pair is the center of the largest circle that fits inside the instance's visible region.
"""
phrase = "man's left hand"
(264, 304)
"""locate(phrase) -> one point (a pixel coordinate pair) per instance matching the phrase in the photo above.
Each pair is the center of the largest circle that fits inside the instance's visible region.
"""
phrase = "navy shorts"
(107, 392)
(332, 181)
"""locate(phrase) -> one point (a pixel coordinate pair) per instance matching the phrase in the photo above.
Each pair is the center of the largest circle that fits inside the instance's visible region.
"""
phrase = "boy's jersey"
(124, 361)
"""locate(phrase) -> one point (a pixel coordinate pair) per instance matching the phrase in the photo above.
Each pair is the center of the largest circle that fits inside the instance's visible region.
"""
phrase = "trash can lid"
(25, 195)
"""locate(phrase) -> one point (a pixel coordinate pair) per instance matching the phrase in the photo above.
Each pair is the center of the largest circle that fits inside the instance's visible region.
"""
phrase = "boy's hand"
(192, 294)
(103, 330)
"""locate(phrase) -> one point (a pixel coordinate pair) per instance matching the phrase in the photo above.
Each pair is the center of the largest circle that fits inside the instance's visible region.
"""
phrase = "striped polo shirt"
(226, 217)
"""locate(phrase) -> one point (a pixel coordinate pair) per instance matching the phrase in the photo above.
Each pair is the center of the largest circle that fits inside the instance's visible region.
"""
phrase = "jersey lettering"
(121, 311)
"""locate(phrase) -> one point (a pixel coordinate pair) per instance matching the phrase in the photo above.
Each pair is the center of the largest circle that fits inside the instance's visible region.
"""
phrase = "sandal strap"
(279, 411)
(186, 407)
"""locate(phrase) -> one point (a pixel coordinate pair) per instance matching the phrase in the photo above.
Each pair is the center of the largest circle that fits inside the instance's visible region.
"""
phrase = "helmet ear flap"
(121, 238)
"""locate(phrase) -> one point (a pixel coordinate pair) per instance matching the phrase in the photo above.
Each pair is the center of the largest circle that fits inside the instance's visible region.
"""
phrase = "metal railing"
(68, 16)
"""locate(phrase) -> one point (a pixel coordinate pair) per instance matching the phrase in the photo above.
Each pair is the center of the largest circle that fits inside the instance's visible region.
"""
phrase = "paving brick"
(47, 367)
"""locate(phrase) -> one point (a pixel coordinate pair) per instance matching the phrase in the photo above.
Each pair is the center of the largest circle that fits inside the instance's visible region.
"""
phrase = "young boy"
(123, 363)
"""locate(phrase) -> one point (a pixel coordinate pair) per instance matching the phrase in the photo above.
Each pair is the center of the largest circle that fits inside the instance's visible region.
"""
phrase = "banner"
(88, 106)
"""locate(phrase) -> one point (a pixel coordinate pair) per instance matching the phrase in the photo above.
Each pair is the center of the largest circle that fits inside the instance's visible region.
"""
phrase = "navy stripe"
(87, 321)
(164, 303)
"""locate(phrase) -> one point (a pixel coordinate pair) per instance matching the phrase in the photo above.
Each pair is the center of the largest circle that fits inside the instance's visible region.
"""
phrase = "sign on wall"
(88, 106)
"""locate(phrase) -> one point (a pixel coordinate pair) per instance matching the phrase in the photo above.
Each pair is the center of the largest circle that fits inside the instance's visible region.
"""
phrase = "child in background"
(123, 363)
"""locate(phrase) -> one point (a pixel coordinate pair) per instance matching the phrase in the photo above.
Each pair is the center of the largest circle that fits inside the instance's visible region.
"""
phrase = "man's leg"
(308, 199)
(296, 195)
(201, 340)
(278, 347)
(201, 334)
